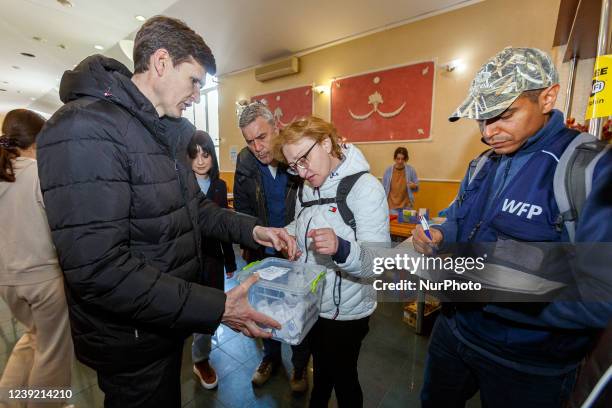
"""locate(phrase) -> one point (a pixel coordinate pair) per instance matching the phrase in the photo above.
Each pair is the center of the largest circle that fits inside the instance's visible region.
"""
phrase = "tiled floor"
(390, 368)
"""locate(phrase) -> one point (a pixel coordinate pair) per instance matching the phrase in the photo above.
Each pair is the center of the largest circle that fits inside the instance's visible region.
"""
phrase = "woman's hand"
(324, 241)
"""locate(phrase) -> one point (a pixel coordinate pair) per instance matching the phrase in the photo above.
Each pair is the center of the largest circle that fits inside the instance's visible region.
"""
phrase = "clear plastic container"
(293, 299)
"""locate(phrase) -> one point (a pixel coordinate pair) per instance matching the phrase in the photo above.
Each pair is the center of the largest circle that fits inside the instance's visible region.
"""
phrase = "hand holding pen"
(425, 239)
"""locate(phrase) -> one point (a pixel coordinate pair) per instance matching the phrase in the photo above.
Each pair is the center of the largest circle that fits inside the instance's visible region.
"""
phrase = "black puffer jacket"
(127, 214)
(250, 199)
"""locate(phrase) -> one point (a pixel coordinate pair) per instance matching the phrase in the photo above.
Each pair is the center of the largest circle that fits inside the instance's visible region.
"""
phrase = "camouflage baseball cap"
(503, 78)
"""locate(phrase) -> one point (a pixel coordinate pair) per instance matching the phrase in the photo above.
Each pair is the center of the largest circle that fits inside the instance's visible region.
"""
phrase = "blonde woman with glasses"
(312, 150)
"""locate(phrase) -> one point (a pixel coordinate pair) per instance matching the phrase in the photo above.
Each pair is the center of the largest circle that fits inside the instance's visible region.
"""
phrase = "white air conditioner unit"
(278, 69)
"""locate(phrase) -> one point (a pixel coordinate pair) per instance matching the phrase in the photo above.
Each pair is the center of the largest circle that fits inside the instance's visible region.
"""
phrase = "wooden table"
(401, 229)
(404, 230)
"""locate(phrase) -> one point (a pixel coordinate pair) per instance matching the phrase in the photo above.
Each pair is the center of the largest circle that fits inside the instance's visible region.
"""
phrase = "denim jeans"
(200, 348)
(454, 373)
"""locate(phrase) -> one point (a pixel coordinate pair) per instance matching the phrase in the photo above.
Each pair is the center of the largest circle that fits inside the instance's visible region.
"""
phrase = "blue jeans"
(454, 373)
(200, 348)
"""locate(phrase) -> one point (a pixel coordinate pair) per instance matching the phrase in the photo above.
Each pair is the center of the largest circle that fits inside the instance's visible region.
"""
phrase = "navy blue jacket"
(512, 198)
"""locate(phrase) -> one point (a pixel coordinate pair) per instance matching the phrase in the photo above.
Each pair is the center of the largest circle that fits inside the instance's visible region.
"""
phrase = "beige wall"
(473, 33)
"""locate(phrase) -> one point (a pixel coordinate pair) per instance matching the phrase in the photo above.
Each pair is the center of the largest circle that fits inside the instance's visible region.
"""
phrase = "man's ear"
(548, 98)
(160, 61)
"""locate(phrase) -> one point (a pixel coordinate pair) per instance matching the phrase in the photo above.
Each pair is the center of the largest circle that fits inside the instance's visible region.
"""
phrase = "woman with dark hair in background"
(400, 181)
(31, 281)
(217, 255)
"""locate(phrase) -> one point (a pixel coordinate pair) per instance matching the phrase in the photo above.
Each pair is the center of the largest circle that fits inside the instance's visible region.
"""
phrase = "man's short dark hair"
(532, 94)
(173, 35)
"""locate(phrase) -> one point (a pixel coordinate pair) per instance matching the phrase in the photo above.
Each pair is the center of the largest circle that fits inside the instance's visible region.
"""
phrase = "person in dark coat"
(127, 216)
(264, 189)
(217, 255)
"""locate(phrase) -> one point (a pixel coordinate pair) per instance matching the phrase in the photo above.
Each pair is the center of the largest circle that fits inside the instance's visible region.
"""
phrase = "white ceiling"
(241, 33)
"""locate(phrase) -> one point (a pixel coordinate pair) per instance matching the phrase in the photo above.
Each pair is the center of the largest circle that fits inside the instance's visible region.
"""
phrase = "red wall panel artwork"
(288, 105)
(384, 106)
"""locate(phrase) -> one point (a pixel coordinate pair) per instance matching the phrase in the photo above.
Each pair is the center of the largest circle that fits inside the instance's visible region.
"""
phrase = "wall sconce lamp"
(322, 89)
(240, 105)
(456, 64)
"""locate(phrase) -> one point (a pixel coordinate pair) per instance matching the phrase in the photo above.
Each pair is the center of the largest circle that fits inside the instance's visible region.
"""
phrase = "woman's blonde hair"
(313, 127)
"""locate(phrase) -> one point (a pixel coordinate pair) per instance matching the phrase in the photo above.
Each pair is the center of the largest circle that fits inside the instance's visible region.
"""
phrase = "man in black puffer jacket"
(265, 190)
(127, 216)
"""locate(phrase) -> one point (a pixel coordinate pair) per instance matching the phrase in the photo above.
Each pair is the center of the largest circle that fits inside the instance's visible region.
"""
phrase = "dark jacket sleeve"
(245, 199)
(226, 225)
(243, 203)
(88, 208)
(293, 185)
(229, 258)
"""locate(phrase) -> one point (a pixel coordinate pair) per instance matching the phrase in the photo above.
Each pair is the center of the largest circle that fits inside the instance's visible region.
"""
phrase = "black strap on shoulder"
(344, 188)
(575, 179)
(299, 194)
(477, 164)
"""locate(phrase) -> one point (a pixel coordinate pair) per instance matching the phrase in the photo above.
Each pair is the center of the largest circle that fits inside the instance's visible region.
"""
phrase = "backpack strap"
(299, 194)
(344, 188)
(477, 164)
(319, 201)
(573, 179)
(307, 204)
(473, 169)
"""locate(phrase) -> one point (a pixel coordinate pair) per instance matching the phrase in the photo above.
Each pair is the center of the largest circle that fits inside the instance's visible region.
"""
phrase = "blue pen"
(425, 226)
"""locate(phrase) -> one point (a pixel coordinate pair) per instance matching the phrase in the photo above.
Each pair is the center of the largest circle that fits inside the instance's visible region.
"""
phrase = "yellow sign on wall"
(600, 101)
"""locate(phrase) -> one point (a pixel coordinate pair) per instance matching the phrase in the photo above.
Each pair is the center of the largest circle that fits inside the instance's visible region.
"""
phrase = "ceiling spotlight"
(39, 39)
(2, 90)
(5, 82)
(15, 67)
(140, 18)
(32, 99)
(27, 54)
(98, 47)
(62, 46)
(65, 3)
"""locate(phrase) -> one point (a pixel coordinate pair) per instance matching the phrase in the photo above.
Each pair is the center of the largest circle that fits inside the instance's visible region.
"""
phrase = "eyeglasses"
(301, 163)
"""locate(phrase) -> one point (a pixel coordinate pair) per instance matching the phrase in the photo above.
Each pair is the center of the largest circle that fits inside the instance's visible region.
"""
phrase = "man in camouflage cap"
(513, 357)
(503, 79)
